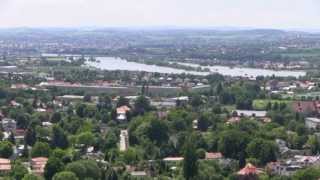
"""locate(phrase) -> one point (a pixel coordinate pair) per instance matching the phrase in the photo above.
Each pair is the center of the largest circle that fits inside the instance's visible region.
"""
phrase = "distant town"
(159, 104)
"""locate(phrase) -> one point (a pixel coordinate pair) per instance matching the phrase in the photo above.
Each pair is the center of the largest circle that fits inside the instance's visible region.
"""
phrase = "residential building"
(38, 164)
(122, 113)
(213, 155)
(9, 125)
(306, 107)
(5, 165)
(312, 123)
(250, 113)
(124, 140)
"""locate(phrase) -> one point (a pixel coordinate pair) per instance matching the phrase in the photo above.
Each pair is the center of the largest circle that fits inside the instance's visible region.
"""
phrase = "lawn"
(261, 104)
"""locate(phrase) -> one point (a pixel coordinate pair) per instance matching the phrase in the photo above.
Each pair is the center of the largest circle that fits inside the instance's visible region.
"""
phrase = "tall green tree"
(18, 171)
(142, 105)
(6, 149)
(40, 149)
(53, 166)
(59, 138)
(190, 162)
(65, 175)
(263, 150)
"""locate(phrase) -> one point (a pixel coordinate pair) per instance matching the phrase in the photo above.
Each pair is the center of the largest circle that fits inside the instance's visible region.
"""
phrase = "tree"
(87, 98)
(77, 168)
(92, 169)
(231, 143)
(142, 105)
(40, 149)
(11, 138)
(314, 144)
(53, 166)
(111, 141)
(18, 171)
(262, 150)
(31, 177)
(6, 149)
(86, 138)
(31, 136)
(190, 162)
(309, 173)
(122, 101)
(203, 122)
(56, 117)
(65, 175)
(105, 103)
(111, 174)
(130, 156)
(59, 138)
(157, 131)
(196, 100)
(80, 110)
(23, 120)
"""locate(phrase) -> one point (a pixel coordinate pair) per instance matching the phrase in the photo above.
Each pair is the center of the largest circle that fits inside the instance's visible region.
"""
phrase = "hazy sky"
(254, 13)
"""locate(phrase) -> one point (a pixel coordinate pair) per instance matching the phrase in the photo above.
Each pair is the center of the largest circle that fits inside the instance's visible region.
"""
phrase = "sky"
(304, 14)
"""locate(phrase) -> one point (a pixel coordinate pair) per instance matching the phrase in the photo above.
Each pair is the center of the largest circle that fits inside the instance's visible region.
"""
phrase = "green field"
(302, 53)
(261, 104)
(59, 58)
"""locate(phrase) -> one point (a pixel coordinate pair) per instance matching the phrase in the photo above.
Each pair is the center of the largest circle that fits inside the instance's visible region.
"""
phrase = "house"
(124, 140)
(138, 173)
(181, 101)
(166, 103)
(291, 165)
(213, 155)
(173, 159)
(19, 86)
(38, 164)
(282, 169)
(306, 107)
(5, 165)
(312, 123)
(250, 113)
(122, 113)
(248, 172)
(233, 120)
(9, 125)
(14, 104)
(19, 134)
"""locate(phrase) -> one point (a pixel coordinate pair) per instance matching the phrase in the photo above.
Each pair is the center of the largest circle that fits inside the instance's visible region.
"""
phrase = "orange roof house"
(213, 155)
(249, 172)
(5, 165)
(122, 113)
(123, 109)
(38, 164)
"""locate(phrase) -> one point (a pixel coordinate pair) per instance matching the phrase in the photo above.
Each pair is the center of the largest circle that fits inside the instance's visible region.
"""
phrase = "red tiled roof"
(123, 109)
(5, 164)
(306, 106)
(249, 169)
(38, 164)
(39, 159)
(213, 155)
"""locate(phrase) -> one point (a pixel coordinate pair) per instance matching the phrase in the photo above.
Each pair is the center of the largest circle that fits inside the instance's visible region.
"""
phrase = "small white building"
(9, 125)
(122, 113)
(124, 140)
(312, 123)
(250, 113)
